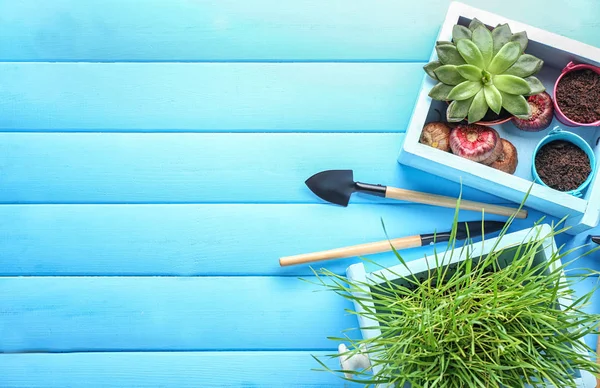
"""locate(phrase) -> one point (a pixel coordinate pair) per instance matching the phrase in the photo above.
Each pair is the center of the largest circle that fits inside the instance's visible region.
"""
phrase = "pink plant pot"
(557, 112)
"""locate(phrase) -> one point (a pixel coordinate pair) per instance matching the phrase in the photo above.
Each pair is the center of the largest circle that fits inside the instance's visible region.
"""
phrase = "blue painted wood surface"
(229, 97)
(257, 30)
(167, 369)
(168, 313)
(152, 165)
(198, 168)
(206, 240)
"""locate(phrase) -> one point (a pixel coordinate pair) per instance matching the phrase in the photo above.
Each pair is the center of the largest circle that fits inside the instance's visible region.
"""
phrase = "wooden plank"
(213, 240)
(198, 168)
(231, 97)
(122, 30)
(59, 314)
(177, 370)
(214, 30)
(67, 314)
(582, 286)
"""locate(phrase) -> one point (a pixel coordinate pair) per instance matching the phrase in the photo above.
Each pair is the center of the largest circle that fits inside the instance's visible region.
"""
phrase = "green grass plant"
(503, 319)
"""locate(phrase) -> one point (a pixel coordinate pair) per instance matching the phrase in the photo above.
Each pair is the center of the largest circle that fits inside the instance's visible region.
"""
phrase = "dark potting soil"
(492, 116)
(562, 165)
(578, 95)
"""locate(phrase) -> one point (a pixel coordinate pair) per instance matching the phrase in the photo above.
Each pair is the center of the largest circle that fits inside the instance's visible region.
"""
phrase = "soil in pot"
(578, 96)
(562, 165)
(493, 116)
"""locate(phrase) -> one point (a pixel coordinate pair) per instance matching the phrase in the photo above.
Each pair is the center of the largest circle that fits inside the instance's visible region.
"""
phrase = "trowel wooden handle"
(440, 200)
(355, 250)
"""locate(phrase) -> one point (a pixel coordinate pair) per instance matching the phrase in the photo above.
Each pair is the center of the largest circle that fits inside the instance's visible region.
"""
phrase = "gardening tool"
(463, 231)
(336, 186)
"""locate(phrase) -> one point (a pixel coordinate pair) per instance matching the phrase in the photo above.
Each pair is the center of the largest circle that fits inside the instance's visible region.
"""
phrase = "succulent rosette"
(481, 70)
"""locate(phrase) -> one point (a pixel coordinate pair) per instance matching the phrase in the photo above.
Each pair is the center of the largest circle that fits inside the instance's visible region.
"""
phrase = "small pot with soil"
(564, 161)
(577, 95)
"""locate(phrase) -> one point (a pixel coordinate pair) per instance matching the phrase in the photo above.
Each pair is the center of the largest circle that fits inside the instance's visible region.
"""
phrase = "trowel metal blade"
(335, 186)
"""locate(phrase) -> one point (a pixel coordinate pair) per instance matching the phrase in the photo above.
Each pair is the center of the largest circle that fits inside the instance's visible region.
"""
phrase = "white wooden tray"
(556, 51)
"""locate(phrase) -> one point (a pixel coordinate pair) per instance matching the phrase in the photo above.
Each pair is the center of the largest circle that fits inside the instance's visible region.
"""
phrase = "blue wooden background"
(152, 160)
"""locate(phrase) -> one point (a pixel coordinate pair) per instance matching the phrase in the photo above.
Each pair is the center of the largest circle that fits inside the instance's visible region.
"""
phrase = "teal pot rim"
(558, 134)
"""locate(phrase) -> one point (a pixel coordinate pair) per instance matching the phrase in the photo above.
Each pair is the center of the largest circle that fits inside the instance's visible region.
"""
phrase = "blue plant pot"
(559, 134)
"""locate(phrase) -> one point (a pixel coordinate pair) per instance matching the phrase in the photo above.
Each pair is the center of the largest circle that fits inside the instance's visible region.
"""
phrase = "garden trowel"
(336, 186)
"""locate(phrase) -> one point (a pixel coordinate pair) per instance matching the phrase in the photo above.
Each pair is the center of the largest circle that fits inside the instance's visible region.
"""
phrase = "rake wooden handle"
(351, 251)
(440, 200)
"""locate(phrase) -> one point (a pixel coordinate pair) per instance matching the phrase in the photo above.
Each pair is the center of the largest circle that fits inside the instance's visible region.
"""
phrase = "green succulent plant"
(482, 69)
